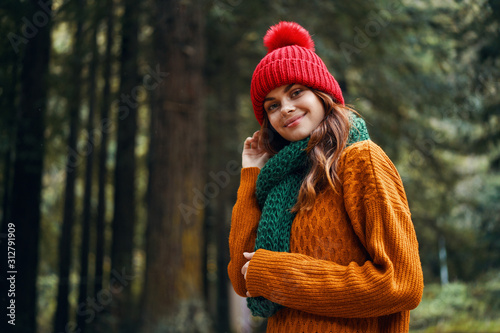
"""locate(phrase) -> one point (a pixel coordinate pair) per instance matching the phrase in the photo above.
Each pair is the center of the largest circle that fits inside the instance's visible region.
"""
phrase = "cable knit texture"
(353, 262)
(278, 187)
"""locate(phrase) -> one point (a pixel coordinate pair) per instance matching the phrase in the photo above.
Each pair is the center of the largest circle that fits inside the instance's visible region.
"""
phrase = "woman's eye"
(272, 107)
(296, 92)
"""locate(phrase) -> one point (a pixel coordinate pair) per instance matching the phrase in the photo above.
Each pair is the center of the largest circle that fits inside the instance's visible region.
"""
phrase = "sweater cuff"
(248, 181)
(255, 282)
(251, 173)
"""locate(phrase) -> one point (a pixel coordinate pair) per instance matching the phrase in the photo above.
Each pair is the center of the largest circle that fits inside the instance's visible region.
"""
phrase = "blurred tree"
(105, 122)
(89, 146)
(23, 217)
(125, 166)
(173, 289)
(478, 51)
(61, 318)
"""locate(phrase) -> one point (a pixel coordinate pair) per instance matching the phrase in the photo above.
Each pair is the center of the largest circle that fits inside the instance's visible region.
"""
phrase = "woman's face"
(294, 111)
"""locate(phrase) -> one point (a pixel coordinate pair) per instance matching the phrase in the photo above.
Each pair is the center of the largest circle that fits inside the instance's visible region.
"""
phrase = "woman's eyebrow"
(289, 87)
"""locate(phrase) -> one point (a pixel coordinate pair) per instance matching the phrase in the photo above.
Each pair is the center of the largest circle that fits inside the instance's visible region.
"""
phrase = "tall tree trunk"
(61, 320)
(124, 205)
(103, 156)
(87, 208)
(24, 216)
(177, 197)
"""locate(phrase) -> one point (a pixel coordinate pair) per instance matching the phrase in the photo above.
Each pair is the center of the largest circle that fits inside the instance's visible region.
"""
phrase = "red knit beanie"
(290, 59)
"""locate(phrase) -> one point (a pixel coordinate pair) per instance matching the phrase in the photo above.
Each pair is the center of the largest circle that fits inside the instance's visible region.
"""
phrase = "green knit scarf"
(278, 186)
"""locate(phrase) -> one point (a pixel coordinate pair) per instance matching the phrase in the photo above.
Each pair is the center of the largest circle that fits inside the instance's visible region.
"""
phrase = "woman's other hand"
(244, 269)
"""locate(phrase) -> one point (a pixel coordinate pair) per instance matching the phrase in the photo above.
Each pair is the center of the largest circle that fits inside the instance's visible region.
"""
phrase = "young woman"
(321, 234)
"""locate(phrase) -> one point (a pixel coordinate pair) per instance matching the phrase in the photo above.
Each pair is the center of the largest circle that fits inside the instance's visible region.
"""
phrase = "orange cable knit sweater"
(353, 264)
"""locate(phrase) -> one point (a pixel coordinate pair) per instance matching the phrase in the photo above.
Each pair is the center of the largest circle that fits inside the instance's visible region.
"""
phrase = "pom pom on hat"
(285, 34)
(290, 59)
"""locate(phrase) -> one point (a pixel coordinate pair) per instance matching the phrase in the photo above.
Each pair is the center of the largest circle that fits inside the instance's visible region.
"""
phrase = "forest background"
(121, 130)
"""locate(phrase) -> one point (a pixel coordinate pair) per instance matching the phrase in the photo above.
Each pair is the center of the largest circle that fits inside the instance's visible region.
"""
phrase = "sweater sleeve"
(390, 282)
(244, 222)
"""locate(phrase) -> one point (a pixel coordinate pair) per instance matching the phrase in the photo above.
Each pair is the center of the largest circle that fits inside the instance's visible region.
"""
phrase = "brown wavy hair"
(324, 148)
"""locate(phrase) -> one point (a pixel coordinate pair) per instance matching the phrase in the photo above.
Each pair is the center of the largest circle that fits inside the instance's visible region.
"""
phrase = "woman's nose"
(287, 107)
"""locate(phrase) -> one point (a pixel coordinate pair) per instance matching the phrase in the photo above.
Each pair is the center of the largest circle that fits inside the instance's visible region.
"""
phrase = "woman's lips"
(293, 121)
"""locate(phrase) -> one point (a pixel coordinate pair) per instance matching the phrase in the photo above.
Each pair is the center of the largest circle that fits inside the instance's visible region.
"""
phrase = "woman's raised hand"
(254, 154)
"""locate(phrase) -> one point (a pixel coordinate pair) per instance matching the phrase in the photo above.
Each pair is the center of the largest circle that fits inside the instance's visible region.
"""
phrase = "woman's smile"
(293, 122)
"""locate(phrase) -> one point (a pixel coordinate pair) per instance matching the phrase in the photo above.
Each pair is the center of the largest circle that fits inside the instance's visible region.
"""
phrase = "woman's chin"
(295, 135)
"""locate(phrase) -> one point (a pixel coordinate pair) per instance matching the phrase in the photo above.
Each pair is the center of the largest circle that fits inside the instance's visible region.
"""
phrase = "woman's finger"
(259, 141)
(244, 270)
(248, 255)
(248, 143)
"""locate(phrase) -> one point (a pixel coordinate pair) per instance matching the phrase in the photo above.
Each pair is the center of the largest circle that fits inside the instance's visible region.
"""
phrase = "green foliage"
(459, 307)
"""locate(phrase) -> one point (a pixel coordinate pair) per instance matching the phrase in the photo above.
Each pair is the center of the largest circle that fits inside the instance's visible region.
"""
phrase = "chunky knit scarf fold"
(278, 186)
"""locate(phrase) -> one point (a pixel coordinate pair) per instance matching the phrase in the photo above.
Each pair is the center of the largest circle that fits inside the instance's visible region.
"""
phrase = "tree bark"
(24, 214)
(177, 196)
(124, 204)
(61, 320)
